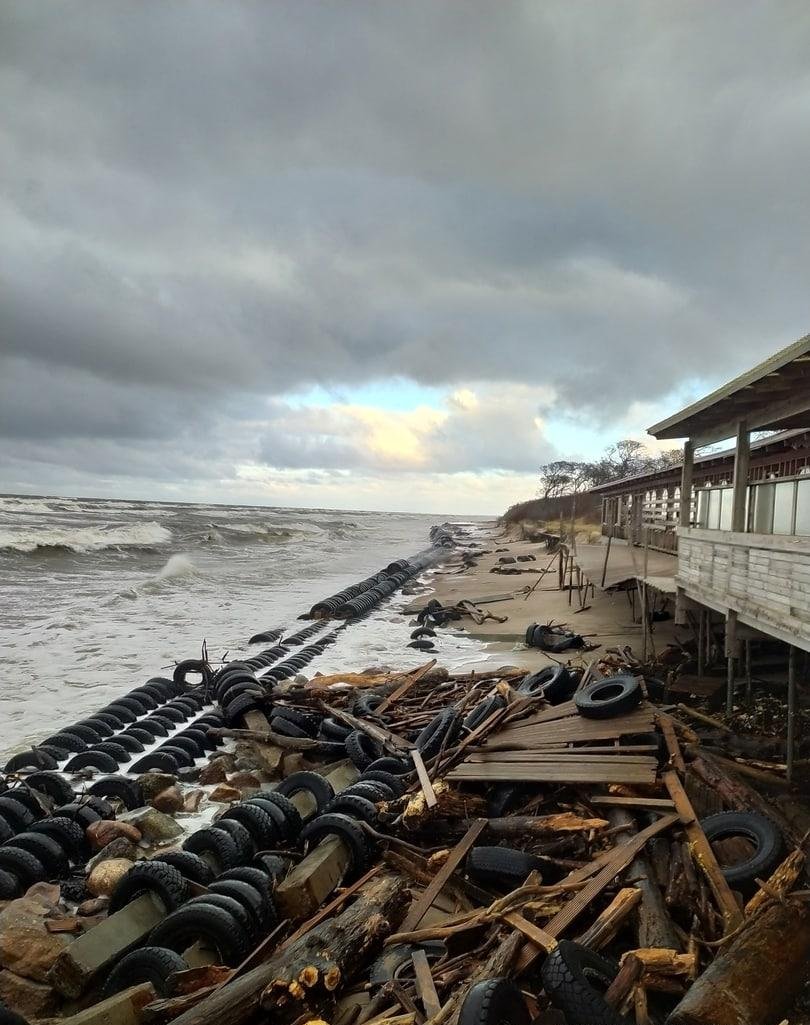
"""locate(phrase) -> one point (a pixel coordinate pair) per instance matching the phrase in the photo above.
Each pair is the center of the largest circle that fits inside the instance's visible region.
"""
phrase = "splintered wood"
(542, 749)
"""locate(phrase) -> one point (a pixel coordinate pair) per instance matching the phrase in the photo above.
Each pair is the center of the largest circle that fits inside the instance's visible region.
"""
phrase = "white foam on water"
(83, 540)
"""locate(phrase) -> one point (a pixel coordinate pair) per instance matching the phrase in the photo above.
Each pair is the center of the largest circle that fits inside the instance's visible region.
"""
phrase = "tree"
(625, 458)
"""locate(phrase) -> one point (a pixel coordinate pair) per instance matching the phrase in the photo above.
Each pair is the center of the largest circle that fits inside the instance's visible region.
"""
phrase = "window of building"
(802, 507)
(726, 503)
(783, 507)
(761, 518)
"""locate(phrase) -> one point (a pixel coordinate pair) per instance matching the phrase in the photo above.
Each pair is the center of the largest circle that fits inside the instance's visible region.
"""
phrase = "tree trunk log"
(757, 977)
(300, 977)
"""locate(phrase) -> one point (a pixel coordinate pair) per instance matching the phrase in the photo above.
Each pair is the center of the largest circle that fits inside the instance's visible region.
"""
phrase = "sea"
(98, 595)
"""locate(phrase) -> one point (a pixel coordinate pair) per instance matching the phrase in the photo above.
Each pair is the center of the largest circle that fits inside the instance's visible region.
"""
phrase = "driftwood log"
(757, 977)
(304, 975)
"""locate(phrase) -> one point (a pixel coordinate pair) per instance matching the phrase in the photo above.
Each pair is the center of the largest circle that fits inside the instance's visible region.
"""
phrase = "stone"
(93, 906)
(168, 800)
(216, 771)
(153, 782)
(155, 826)
(189, 773)
(117, 849)
(225, 794)
(47, 894)
(28, 998)
(105, 877)
(193, 800)
(267, 758)
(101, 833)
(293, 762)
(245, 781)
(26, 946)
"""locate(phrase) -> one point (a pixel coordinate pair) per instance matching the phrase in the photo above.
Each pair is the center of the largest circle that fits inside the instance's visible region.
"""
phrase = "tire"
(187, 744)
(46, 850)
(118, 788)
(92, 760)
(495, 1002)
(331, 729)
(18, 815)
(108, 719)
(139, 733)
(179, 754)
(504, 797)
(362, 749)
(355, 807)
(29, 799)
(260, 881)
(124, 711)
(258, 822)
(441, 732)
(36, 758)
(191, 665)
(394, 783)
(87, 732)
(169, 687)
(20, 863)
(52, 784)
(482, 711)
(398, 957)
(190, 866)
(102, 728)
(216, 846)
(102, 808)
(199, 737)
(216, 927)
(6, 831)
(10, 888)
(235, 709)
(67, 833)
(567, 974)
(67, 741)
(371, 790)
(234, 908)
(757, 829)
(555, 684)
(309, 722)
(147, 964)
(366, 705)
(154, 727)
(160, 760)
(604, 699)
(57, 753)
(251, 899)
(155, 877)
(352, 834)
(272, 865)
(114, 750)
(240, 836)
(172, 714)
(282, 811)
(136, 706)
(502, 866)
(312, 782)
(285, 728)
(146, 697)
(131, 744)
(83, 814)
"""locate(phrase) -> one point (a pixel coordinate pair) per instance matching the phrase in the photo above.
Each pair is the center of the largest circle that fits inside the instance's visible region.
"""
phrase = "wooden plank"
(425, 987)
(618, 860)
(702, 852)
(424, 780)
(676, 758)
(533, 933)
(566, 772)
(411, 679)
(660, 803)
(420, 906)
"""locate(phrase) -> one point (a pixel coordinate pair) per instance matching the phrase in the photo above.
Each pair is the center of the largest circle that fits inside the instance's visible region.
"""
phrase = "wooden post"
(749, 684)
(731, 663)
(687, 474)
(791, 712)
(701, 653)
(742, 461)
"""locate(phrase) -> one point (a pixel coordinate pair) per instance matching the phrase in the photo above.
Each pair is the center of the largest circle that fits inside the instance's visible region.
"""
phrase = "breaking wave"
(84, 539)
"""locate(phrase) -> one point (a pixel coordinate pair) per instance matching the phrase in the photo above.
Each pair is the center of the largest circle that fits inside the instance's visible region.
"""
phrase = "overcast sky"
(385, 255)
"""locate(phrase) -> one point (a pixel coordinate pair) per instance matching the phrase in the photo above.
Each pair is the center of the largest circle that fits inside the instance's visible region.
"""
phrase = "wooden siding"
(764, 578)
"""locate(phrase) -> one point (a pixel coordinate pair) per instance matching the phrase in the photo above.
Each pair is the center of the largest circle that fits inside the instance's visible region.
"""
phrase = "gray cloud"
(203, 205)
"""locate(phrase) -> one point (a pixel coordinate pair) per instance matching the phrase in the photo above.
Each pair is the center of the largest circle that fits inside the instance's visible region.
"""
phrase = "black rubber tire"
(29, 799)
(88, 733)
(217, 928)
(258, 822)
(235, 709)
(355, 807)
(160, 760)
(36, 758)
(362, 749)
(10, 887)
(173, 714)
(6, 831)
(155, 877)
(214, 845)
(191, 665)
(78, 812)
(503, 798)
(554, 683)
(285, 728)
(394, 783)
(260, 881)
(102, 728)
(161, 720)
(758, 830)
(251, 899)
(119, 788)
(371, 789)
(131, 744)
(442, 731)
(92, 760)
(566, 973)
(137, 732)
(114, 750)
(18, 815)
(353, 835)
(114, 722)
(274, 866)
(154, 727)
(52, 784)
(179, 754)
(51, 854)
(307, 721)
(503, 866)
(240, 836)
(282, 811)
(198, 737)
(57, 753)
(123, 711)
(22, 864)
(191, 747)
(167, 685)
(482, 711)
(67, 741)
(146, 697)
(134, 704)
(604, 699)
(313, 782)
(102, 807)
(331, 729)
(366, 705)
(190, 866)
(232, 906)
(495, 1002)
(146, 964)
(67, 833)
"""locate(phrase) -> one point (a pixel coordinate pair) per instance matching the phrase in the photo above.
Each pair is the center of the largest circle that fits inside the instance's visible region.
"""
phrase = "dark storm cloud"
(205, 203)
